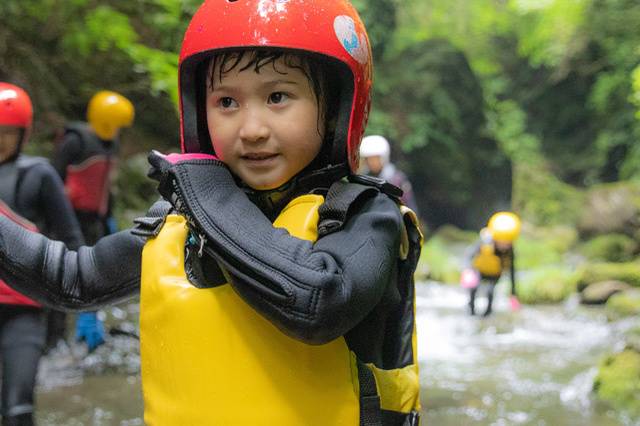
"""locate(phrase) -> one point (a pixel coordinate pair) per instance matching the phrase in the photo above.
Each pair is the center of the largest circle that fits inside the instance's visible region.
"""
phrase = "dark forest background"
(490, 104)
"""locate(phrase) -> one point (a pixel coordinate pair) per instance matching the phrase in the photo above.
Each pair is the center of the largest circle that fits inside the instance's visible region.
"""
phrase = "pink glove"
(515, 305)
(469, 278)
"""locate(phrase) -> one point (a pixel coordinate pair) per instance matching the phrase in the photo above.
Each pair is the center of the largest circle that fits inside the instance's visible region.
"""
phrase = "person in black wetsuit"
(32, 195)
(84, 158)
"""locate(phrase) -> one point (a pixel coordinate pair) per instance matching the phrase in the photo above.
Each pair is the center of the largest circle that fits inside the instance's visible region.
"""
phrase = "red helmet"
(15, 106)
(328, 27)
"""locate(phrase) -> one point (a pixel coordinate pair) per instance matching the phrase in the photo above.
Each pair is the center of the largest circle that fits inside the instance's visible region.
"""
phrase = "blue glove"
(90, 328)
(112, 226)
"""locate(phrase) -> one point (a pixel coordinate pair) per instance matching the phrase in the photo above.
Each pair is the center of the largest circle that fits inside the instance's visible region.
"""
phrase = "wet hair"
(317, 68)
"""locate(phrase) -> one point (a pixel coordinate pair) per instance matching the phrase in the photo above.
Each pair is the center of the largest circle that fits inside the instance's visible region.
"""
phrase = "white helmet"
(375, 145)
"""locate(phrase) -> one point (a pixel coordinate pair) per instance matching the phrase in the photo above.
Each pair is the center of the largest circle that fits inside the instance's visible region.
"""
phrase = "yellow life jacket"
(486, 262)
(209, 359)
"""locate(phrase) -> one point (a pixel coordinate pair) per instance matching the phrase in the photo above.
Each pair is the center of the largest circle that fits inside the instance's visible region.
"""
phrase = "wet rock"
(600, 292)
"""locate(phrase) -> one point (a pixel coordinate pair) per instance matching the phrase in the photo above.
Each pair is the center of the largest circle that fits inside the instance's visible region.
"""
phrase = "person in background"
(32, 195)
(84, 158)
(375, 151)
(490, 257)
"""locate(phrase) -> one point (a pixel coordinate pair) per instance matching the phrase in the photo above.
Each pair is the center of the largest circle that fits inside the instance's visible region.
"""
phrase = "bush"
(618, 382)
(438, 262)
(609, 248)
(590, 273)
(453, 234)
(552, 284)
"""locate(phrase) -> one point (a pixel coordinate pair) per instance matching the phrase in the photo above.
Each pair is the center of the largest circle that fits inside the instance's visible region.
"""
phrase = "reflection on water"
(531, 367)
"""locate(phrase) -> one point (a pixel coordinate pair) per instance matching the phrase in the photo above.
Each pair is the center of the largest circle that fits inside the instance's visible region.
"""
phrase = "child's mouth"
(259, 159)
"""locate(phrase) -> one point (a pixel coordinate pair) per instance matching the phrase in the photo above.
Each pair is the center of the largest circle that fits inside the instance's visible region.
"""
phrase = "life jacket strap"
(152, 223)
(370, 414)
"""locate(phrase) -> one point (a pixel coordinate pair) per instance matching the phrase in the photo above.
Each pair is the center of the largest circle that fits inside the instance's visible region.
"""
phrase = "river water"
(534, 366)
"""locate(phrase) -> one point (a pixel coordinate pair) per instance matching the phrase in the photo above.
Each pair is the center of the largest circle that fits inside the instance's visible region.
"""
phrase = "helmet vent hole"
(232, 1)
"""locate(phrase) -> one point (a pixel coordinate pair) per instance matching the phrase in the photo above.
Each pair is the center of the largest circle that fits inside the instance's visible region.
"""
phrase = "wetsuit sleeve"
(311, 292)
(60, 219)
(469, 254)
(66, 152)
(47, 272)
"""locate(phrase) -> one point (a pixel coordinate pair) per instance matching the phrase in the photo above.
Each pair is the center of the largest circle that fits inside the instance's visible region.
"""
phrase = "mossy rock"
(611, 209)
(624, 304)
(547, 285)
(618, 382)
(632, 338)
(609, 248)
(600, 292)
(590, 273)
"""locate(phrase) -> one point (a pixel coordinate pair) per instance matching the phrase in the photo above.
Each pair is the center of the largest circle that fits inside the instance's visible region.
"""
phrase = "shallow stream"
(534, 366)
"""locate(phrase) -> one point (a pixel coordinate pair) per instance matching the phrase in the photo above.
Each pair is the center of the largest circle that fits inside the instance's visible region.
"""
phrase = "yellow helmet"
(108, 112)
(505, 226)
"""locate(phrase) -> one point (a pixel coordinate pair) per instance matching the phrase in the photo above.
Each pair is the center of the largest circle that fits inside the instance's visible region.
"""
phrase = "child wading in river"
(276, 285)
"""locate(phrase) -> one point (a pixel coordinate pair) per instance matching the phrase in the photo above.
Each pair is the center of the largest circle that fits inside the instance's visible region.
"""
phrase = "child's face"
(9, 139)
(263, 125)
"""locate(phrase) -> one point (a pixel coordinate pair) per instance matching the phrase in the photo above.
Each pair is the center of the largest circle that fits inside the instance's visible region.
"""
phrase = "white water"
(534, 366)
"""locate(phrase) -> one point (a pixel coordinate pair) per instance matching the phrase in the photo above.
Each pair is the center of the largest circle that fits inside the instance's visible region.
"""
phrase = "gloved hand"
(90, 328)
(469, 278)
(112, 226)
(515, 304)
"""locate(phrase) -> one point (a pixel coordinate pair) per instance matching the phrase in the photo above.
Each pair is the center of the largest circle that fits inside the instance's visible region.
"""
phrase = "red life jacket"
(9, 296)
(87, 184)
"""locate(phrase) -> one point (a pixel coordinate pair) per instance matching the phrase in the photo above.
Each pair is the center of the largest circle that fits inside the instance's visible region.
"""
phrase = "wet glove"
(515, 304)
(112, 226)
(90, 328)
(469, 278)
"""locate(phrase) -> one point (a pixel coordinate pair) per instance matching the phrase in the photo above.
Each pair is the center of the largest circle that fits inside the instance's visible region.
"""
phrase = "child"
(244, 322)
(490, 257)
(32, 195)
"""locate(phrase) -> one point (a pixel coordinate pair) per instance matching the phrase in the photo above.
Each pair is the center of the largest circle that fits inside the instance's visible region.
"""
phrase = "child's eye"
(228, 103)
(277, 97)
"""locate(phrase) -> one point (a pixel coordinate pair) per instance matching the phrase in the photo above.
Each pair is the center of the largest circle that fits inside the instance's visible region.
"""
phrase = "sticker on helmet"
(345, 29)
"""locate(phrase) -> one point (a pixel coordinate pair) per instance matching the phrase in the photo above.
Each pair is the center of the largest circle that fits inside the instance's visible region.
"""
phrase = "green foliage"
(549, 284)
(454, 235)
(438, 262)
(609, 248)
(548, 31)
(535, 252)
(590, 273)
(618, 381)
(133, 190)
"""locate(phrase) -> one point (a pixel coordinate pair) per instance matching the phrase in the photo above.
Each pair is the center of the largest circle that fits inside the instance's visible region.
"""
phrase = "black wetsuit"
(31, 188)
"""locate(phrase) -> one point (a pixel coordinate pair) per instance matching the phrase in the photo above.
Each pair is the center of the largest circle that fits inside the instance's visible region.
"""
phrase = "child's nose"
(254, 127)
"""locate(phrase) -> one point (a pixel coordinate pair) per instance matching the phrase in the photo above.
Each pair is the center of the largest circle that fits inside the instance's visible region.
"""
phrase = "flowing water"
(534, 366)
